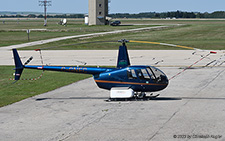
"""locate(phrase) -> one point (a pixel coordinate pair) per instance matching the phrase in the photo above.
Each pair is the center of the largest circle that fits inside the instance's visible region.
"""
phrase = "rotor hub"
(123, 41)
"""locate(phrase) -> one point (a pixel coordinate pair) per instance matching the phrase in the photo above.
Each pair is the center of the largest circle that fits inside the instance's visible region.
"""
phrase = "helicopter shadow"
(133, 99)
(204, 98)
(69, 98)
(108, 99)
(187, 98)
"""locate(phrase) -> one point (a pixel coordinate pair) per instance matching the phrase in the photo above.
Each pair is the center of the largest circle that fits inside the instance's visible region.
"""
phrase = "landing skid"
(154, 96)
(135, 98)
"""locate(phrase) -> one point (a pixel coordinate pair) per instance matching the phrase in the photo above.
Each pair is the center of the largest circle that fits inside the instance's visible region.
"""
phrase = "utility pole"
(45, 3)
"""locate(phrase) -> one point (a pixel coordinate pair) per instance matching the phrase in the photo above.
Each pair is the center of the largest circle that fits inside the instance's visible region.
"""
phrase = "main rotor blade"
(164, 44)
(76, 44)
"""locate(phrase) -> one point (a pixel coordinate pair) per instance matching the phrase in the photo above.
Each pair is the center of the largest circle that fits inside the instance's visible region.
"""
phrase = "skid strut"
(137, 97)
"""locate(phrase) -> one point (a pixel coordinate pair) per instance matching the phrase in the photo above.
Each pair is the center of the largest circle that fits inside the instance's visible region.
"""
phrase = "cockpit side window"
(140, 74)
(145, 74)
(131, 74)
(150, 72)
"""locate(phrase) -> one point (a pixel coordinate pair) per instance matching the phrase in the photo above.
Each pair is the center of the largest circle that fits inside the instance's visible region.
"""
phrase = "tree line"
(174, 14)
(42, 16)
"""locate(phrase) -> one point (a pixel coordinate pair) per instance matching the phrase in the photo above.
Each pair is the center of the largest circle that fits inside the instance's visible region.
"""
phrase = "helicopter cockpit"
(147, 73)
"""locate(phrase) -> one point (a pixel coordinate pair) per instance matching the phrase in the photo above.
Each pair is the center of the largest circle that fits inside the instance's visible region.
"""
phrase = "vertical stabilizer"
(18, 64)
(123, 58)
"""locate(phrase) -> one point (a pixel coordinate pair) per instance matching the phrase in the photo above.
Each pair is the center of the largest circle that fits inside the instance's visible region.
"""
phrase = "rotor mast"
(123, 41)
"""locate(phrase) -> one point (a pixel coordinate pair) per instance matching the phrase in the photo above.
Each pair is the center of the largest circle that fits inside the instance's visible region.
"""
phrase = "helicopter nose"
(165, 81)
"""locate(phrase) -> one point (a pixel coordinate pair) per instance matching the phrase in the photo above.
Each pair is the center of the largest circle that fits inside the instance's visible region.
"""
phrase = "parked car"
(115, 23)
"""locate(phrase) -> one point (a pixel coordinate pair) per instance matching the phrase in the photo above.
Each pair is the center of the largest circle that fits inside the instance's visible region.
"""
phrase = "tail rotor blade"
(29, 60)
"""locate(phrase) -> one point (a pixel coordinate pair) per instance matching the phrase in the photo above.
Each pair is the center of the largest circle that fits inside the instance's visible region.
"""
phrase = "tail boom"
(86, 70)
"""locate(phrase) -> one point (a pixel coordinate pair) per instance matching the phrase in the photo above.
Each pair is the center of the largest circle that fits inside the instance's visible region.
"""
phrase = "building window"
(100, 13)
(100, 5)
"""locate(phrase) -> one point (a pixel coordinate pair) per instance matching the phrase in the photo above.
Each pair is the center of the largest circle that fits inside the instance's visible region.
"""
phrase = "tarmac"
(192, 107)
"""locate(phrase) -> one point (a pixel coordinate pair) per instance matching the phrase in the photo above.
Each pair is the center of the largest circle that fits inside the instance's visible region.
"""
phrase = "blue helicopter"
(124, 81)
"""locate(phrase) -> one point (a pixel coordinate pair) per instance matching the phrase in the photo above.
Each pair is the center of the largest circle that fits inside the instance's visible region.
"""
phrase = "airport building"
(98, 10)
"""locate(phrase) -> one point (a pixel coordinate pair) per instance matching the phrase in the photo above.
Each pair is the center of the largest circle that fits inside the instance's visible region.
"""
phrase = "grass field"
(203, 34)
(14, 31)
(10, 93)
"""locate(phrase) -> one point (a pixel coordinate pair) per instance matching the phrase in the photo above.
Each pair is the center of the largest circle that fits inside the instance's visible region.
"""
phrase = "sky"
(116, 6)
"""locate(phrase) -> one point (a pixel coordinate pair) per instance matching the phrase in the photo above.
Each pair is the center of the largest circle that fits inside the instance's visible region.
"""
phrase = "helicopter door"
(142, 74)
(131, 74)
(152, 75)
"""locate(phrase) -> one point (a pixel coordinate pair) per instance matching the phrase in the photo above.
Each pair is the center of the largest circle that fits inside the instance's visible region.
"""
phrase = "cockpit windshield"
(156, 75)
(149, 73)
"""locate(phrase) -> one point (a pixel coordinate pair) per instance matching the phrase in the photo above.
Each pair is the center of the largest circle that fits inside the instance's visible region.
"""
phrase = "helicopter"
(125, 81)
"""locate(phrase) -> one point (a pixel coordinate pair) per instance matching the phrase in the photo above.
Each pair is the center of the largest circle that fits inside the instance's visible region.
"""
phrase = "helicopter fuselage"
(138, 78)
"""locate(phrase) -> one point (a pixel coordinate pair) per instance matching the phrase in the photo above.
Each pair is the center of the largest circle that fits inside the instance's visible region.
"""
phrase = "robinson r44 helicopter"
(124, 81)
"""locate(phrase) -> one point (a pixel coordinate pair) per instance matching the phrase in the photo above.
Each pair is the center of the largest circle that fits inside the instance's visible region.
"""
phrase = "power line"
(45, 3)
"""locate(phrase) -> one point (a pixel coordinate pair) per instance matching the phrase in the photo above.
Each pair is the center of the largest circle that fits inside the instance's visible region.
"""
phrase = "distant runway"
(192, 107)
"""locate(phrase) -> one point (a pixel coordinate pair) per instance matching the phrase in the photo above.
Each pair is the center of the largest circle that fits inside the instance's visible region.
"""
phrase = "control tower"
(98, 10)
